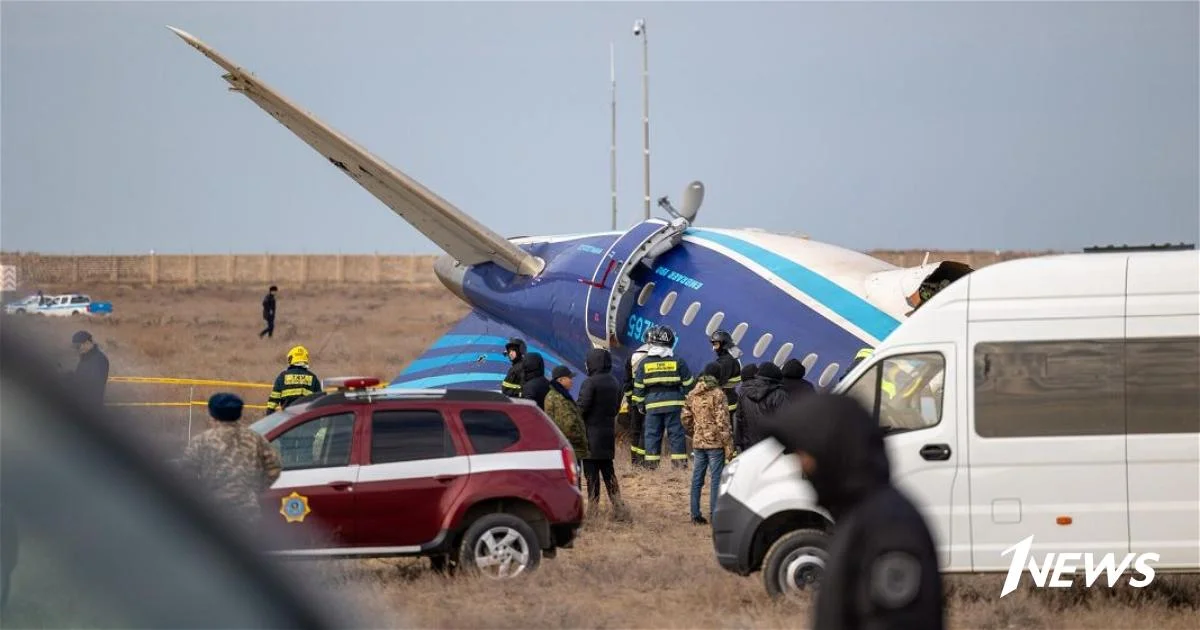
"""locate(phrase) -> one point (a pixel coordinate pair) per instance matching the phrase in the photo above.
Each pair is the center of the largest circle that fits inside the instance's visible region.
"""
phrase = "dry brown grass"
(658, 571)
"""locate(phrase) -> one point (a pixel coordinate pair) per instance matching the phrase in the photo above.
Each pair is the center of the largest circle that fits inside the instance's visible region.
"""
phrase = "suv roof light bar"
(393, 394)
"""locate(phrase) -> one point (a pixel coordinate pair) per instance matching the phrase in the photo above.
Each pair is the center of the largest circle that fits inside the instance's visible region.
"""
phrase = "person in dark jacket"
(793, 380)
(91, 374)
(730, 375)
(883, 566)
(515, 351)
(599, 402)
(735, 418)
(534, 383)
(760, 398)
(268, 313)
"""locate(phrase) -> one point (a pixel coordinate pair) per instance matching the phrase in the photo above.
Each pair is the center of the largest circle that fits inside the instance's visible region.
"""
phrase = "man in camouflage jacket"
(565, 413)
(231, 462)
(706, 419)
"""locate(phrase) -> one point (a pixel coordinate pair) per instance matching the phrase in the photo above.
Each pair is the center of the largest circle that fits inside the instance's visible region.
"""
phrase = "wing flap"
(456, 233)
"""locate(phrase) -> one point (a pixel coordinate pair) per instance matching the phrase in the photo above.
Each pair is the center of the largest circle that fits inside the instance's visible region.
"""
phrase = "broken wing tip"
(184, 35)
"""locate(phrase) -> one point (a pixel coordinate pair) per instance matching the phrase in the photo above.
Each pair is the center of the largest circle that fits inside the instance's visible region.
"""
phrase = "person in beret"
(231, 462)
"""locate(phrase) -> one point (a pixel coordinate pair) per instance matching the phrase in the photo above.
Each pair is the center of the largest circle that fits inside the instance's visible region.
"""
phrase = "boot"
(621, 512)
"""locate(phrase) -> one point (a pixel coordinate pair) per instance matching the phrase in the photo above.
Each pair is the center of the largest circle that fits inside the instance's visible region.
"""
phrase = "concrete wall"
(261, 269)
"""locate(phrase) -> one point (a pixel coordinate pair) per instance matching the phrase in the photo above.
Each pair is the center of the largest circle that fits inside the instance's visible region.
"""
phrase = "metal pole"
(646, 116)
(191, 397)
(612, 150)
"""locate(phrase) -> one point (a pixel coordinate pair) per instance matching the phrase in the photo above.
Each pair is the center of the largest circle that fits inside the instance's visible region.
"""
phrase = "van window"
(1162, 385)
(904, 392)
(1050, 388)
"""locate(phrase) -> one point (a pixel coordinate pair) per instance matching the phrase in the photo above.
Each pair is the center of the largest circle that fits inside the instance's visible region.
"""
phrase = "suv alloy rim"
(501, 552)
(802, 570)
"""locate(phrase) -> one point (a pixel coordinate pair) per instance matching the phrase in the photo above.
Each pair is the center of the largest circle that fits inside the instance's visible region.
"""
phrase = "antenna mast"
(612, 150)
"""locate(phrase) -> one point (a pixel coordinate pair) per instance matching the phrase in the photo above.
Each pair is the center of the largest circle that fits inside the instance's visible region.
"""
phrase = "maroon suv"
(471, 478)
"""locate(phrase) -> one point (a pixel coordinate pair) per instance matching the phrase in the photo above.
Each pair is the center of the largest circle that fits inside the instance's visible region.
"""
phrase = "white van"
(1055, 396)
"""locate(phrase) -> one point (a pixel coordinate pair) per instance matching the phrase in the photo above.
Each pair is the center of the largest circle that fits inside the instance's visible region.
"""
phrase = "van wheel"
(794, 564)
(500, 546)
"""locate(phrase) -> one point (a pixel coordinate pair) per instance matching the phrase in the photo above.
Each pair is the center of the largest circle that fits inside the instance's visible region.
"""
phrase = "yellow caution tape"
(184, 381)
(172, 404)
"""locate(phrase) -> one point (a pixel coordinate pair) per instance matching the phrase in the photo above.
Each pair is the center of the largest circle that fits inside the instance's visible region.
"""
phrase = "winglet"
(456, 233)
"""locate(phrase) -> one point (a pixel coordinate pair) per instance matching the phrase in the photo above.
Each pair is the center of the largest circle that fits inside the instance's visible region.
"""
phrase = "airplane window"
(761, 346)
(714, 322)
(809, 361)
(689, 315)
(827, 374)
(644, 296)
(668, 302)
(739, 332)
(784, 351)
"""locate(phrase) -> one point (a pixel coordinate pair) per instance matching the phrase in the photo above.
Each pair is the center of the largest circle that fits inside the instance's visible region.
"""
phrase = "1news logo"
(1067, 563)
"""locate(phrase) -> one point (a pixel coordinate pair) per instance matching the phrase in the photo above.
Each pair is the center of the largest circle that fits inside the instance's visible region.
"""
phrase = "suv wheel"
(794, 564)
(500, 546)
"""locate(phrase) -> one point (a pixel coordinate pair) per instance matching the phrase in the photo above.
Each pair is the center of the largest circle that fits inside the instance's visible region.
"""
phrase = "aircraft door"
(609, 289)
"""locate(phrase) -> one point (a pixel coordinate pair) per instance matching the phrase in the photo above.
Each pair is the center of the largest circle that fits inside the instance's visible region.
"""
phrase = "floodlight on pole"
(639, 30)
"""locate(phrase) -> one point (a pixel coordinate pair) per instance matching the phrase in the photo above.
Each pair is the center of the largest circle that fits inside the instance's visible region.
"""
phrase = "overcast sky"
(898, 125)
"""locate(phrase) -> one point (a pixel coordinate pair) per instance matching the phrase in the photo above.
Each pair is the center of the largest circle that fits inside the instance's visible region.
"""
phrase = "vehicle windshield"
(265, 424)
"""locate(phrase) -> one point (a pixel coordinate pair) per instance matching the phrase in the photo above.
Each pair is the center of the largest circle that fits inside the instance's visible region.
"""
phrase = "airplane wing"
(456, 233)
(471, 356)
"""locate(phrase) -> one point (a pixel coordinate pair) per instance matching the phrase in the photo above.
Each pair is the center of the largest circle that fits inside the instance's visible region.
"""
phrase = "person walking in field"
(268, 313)
(232, 462)
(706, 418)
(91, 374)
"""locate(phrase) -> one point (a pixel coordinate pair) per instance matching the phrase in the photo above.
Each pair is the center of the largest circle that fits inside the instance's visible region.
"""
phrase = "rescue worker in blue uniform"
(730, 375)
(660, 386)
(515, 351)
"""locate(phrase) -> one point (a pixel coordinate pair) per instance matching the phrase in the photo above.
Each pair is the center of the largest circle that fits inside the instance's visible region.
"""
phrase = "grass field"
(657, 572)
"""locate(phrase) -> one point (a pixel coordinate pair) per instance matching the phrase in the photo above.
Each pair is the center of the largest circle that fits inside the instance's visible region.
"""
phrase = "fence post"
(191, 395)
(153, 269)
(378, 268)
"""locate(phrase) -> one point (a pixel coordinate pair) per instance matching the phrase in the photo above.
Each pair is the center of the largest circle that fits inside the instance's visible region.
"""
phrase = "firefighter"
(858, 358)
(637, 418)
(296, 382)
(730, 375)
(660, 386)
(515, 351)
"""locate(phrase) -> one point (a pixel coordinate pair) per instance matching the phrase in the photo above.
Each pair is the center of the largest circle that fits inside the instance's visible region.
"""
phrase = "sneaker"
(699, 520)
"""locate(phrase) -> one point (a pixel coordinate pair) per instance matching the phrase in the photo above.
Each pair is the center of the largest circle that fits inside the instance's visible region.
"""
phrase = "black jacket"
(292, 384)
(793, 380)
(883, 566)
(91, 376)
(730, 376)
(599, 402)
(511, 386)
(269, 307)
(759, 399)
(534, 384)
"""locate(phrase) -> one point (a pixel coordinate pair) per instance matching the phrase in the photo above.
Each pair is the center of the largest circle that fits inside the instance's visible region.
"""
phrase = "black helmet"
(661, 336)
(723, 338)
(515, 344)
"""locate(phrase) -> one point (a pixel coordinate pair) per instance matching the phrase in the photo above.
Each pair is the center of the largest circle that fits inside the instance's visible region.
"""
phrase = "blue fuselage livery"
(776, 308)
(779, 296)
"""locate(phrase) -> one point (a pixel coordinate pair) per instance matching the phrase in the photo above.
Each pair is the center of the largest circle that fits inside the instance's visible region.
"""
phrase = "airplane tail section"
(451, 229)
(471, 356)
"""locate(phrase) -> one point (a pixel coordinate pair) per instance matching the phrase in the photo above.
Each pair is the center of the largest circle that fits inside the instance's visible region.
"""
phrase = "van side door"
(1047, 438)
(911, 392)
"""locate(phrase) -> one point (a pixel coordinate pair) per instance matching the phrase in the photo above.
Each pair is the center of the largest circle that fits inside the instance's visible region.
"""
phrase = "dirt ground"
(658, 571)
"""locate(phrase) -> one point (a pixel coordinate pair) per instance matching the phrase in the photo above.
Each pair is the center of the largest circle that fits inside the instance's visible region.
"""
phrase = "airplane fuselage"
(776, 306)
